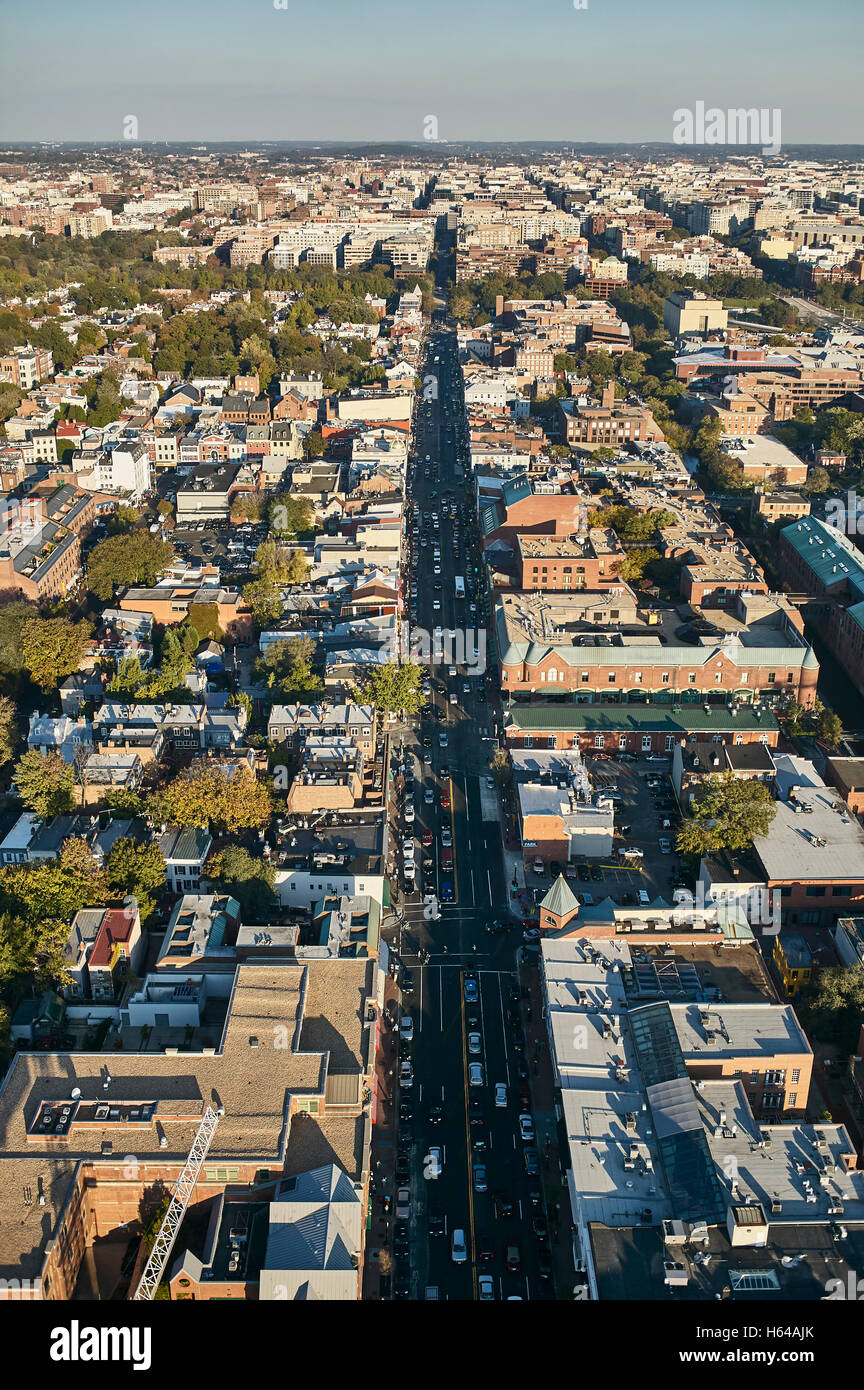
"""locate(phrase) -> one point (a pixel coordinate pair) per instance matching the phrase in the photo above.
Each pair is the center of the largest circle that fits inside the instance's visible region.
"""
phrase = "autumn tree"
(52, 648)
(45, 783)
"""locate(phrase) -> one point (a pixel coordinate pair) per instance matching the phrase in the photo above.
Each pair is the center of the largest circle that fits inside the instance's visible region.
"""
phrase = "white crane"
(183, 1189)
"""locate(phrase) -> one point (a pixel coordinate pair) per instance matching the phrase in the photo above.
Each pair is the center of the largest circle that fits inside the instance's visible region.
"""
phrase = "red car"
(445, 801)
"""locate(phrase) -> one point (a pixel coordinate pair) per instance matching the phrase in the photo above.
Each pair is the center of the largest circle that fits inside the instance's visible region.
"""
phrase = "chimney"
(607, 400)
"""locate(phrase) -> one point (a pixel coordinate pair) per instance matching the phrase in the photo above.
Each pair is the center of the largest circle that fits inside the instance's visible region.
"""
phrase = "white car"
(475, 1074)
(475, 1044)
(408, 849)
(434, 1164)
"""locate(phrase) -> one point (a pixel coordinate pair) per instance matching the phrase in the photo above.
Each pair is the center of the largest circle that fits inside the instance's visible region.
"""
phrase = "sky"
(376, 70)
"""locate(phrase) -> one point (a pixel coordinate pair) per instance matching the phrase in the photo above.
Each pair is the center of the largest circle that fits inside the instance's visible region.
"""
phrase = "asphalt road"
(458, 941)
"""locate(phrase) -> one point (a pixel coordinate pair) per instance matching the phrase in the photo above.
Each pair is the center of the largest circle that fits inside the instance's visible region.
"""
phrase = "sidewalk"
(552, 1174)
(379, 1228)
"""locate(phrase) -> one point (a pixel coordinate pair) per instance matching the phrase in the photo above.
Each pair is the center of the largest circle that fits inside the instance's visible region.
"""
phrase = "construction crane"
(183, 1189)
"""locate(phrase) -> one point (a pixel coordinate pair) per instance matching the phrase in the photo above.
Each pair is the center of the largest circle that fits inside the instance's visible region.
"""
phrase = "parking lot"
(646, 812)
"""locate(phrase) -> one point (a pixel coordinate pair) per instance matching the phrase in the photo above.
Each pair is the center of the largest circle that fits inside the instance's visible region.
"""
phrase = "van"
(458, 1250)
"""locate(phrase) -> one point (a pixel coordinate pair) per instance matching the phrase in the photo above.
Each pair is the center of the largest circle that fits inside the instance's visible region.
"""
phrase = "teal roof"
(672, 719)
(560, 899)
(827, 552)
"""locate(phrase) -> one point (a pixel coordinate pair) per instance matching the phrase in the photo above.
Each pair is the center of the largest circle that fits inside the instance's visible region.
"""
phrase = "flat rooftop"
(321, 1008)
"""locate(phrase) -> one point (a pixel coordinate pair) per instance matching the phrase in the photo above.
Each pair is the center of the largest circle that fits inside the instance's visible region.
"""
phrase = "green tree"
(393, 686)
(120, 561)
(832, 1007)
(52, 648)
(45, 783)
(251, 881)
(729, 815)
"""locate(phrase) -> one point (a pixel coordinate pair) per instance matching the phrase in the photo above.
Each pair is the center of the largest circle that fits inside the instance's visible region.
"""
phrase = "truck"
(459, 585)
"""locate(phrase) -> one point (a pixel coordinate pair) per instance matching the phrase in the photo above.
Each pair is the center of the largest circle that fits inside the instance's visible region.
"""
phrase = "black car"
(436, 1114)
(503, 1205)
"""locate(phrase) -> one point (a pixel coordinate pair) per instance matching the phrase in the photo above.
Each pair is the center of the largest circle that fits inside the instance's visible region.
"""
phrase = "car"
(526, 1128)
(442, 739)
(485, 1288)
(475, 1074)
(514, 1259)
(480, 1177)
(408, 813)
(665, 846)
(447, 837)
(458, 1248)
(644, 899)
(584, 873)
(406, 1074)
(485, 1249)
(445, 801)
(504, 1206)
(471, 991)
(433, 1166)
(475, 1044)
(531, 1159)
(406, 1028)
(446, 891)
(500, 1095)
